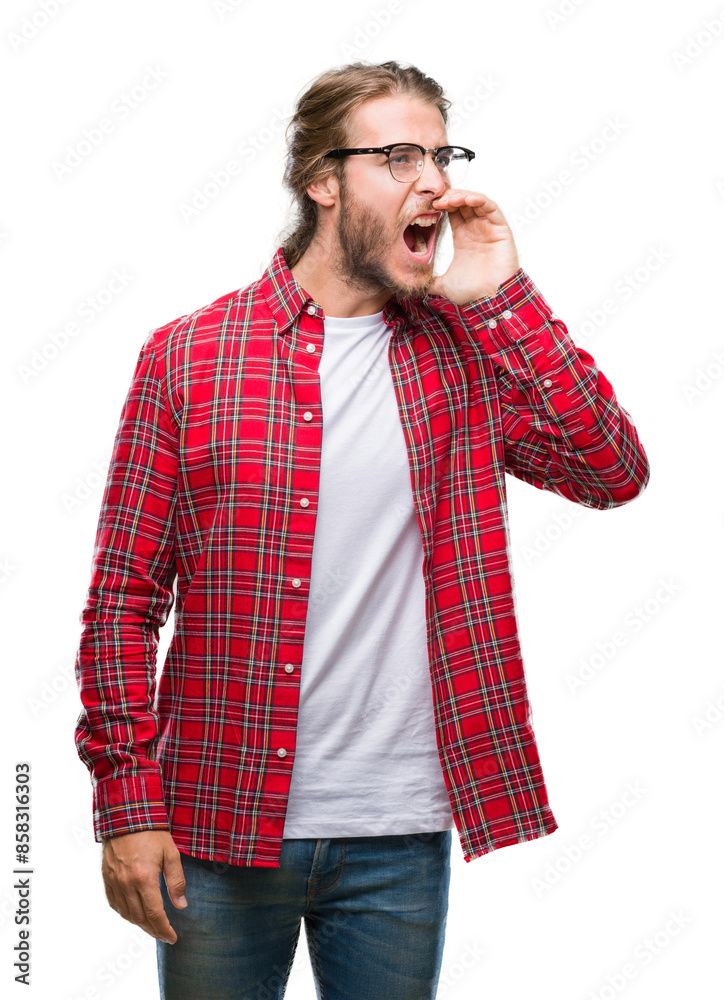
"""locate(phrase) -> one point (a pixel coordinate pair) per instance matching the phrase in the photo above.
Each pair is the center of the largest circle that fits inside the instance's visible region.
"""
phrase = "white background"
(533, 91)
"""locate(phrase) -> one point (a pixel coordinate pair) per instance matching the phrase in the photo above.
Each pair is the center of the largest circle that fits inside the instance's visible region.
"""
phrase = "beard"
(365, 244)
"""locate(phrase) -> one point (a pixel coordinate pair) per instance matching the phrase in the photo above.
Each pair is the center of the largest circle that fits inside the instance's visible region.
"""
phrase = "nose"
(431, 179)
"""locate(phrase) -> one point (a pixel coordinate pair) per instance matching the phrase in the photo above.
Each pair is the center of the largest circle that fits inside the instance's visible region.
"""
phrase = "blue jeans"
(374, 909)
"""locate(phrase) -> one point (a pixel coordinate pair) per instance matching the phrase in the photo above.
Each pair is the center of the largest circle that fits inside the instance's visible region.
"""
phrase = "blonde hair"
(320, 123)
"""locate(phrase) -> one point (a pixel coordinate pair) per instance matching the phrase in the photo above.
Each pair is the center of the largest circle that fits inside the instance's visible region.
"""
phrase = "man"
(318, 461)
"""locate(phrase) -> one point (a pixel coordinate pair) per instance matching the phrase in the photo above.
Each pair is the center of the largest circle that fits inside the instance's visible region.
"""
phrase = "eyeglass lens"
(405, 163)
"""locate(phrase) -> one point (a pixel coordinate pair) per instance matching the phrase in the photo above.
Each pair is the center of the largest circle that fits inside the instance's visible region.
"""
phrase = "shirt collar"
(286, 298)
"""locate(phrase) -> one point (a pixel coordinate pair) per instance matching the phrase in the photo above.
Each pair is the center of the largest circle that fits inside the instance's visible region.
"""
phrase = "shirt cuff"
(518, 302)
(128, 804)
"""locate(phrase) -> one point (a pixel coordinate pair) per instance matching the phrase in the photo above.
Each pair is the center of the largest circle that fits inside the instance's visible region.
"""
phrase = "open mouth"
(420, 239)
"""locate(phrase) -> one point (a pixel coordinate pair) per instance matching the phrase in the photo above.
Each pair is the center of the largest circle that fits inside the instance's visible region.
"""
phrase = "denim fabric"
(374, 911)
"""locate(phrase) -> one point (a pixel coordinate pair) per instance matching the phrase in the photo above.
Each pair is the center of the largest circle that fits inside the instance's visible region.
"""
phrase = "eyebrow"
(397, 142)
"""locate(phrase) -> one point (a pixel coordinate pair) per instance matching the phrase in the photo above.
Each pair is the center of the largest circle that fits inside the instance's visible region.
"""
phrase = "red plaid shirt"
(214, 482)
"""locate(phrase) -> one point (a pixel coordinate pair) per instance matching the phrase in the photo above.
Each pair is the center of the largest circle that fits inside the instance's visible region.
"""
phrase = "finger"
(135, 913)
(468, 204)
(456, 196)
(148, 914)
(154, 916)
(487, 209)
(129, 901)
(173, 874)
(122, 897)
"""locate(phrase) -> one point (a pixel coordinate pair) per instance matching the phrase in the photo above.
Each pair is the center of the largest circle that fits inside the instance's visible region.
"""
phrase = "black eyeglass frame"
(339, 153)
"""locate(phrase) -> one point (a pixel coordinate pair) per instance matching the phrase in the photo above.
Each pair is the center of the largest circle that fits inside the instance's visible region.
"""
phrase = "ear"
(325, 191)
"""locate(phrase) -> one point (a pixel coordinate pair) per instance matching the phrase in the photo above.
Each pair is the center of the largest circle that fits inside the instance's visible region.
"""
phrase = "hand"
(130, 867)
(484, 253)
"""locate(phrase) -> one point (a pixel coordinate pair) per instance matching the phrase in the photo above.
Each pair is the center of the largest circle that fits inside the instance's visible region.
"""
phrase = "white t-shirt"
(366, 760)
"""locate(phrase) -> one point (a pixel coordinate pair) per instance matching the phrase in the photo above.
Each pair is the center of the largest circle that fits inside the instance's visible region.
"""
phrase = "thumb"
(173, 873)
(436, 288)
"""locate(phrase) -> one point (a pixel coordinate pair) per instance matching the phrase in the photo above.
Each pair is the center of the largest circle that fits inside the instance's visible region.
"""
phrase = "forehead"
(382, 120)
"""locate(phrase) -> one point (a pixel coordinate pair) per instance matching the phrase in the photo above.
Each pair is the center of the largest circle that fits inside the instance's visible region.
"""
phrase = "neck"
(335, 294)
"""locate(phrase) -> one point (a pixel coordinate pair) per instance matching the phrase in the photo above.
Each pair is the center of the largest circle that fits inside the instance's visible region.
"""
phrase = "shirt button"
(296, 582)
(547, 383)
(289, 667)
(281, 752)
(492, 323)
(312, 310)
(507, 314)
(307, 414)
(311, 348)
(304, 502)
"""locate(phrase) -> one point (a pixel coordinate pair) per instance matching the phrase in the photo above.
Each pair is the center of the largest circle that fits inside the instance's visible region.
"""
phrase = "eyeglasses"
(405, 160)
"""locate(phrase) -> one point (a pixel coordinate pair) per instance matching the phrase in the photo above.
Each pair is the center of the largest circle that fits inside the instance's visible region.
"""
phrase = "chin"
(415, 280)
(413, 289)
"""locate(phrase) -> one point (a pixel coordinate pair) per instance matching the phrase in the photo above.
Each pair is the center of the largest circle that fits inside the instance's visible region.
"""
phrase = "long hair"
(321, 122)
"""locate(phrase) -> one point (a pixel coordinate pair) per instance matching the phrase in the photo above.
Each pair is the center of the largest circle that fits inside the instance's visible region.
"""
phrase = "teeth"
(429, 221)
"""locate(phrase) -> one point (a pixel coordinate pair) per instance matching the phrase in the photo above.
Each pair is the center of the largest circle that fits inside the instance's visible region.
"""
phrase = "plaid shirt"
(213, 484)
